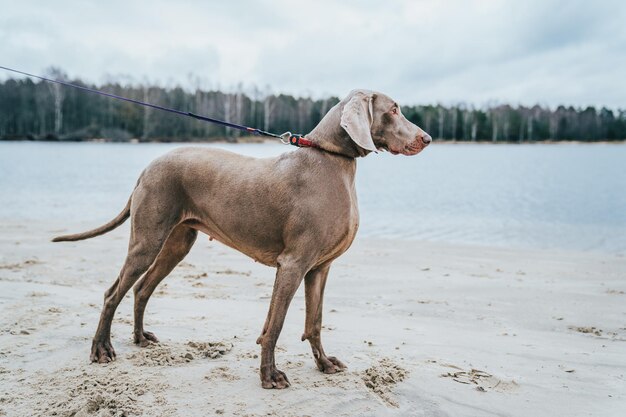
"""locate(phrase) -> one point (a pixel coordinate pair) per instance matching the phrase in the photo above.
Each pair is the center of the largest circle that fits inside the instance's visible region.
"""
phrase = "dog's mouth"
(410, 149)
(386, 148)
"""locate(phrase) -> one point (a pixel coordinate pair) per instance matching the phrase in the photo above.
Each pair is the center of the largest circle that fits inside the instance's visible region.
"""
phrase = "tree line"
(47, 111)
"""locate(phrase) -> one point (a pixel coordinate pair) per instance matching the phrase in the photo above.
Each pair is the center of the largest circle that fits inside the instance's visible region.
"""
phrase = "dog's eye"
(394, 110)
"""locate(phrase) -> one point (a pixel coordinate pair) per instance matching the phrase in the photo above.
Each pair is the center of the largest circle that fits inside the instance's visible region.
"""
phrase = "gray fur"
(297, 212)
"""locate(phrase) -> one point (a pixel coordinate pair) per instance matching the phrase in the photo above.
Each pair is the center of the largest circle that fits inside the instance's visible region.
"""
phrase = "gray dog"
(297, 212)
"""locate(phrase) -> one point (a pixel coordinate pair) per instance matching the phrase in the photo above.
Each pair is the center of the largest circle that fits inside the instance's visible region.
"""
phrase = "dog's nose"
(426, 138)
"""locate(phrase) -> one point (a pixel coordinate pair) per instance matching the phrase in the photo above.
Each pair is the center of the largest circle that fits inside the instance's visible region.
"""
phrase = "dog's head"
(374, 121)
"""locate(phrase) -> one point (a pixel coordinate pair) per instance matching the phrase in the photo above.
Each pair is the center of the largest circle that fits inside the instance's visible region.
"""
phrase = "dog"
(297, 212)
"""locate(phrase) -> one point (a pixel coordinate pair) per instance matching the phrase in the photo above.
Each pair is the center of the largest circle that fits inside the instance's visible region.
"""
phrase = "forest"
(45, 111)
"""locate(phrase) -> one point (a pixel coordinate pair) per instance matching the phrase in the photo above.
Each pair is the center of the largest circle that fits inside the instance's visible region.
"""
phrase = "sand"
(426, 329)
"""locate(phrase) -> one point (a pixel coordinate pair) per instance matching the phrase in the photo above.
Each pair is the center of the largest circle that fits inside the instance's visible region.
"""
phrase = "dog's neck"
(329, 136)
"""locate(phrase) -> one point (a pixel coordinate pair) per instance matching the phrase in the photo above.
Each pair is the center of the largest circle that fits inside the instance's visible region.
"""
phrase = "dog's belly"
(266, 253)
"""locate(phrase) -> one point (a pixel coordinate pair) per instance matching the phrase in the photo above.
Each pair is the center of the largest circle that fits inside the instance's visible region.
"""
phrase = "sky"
(419, 52)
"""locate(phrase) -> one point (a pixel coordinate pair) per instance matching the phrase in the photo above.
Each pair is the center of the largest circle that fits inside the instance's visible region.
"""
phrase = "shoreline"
(454, 330)
(257, 140)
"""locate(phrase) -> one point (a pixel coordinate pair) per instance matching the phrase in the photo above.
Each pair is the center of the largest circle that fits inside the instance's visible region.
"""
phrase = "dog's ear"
(357, 118)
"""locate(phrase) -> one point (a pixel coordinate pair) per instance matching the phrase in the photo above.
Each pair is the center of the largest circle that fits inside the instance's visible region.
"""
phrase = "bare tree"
(305, 105)
(466, 116)
(494, 125)
(239, 107)
(269, 103)
(427, 121)
(554, 124)
(147, 111)
(522, 128)
(255, 97)
(505, 128)
(441, 119)
(42, 101)
(227, 110)
(455, 117)
(58, 94)
(474, 127)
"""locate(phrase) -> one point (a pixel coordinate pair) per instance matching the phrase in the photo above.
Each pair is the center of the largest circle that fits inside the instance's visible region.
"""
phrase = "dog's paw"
(274, 379)
(330, 364)
(102, 352)
(145, 338)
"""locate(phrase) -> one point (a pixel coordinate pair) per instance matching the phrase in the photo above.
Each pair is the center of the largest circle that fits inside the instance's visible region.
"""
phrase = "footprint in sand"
(481, 380)
(20, 265)
(221, 373)
(587, 330)
(162, 355)
(382, 377)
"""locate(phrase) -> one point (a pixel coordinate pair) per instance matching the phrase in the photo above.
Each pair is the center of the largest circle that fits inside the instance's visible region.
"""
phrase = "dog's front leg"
(288, 278)
(315, 281)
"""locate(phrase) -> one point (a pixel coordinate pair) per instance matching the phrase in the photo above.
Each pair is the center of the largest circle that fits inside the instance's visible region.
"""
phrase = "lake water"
(568, 196)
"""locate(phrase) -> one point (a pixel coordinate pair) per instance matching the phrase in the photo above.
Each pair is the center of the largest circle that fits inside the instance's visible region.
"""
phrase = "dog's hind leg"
(176, 247)
(138, 260)
(149, 230)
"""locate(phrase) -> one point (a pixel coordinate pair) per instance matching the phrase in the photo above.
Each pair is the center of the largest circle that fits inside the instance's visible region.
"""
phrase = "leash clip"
(298, 140)
(289, 138)
(285, 138)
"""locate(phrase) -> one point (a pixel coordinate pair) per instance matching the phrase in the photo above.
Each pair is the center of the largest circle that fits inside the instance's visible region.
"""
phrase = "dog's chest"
(343, 228)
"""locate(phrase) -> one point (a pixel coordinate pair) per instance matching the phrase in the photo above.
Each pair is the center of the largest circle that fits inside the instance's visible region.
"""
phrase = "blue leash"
(284, 138)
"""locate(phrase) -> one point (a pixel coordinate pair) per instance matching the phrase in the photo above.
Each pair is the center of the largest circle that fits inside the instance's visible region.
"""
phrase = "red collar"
(302, 142)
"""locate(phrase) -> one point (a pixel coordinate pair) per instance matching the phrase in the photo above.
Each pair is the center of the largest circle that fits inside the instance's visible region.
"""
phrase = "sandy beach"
(426, 329)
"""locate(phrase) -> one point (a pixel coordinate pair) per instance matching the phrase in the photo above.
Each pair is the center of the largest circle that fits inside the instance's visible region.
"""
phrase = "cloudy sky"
(419, 51)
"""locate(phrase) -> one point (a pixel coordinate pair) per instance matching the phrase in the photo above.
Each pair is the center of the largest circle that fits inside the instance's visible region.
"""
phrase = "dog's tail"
(121, 218)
